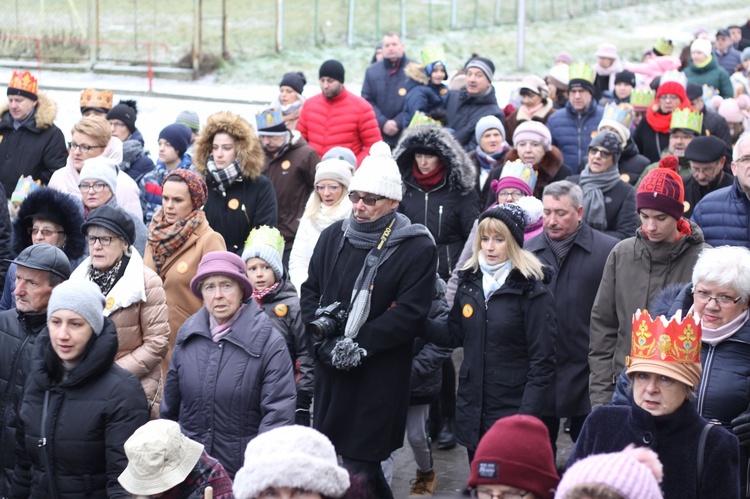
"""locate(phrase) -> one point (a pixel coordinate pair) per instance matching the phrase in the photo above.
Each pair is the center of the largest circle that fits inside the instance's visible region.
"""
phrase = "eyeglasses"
(368, 200)
(117, 124)
(722, 301)
(83, 147)
(97, 187)
(512, 194)
(602, 152)
(488, 494)
(708, 170)
(330, 188)
(103, 240)
(744, 160)
(33, 231)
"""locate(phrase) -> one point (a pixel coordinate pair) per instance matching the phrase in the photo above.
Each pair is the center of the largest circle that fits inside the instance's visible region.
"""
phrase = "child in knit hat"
(277, 296)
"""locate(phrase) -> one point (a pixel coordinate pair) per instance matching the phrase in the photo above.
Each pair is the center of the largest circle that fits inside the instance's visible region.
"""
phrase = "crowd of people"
(270, 308)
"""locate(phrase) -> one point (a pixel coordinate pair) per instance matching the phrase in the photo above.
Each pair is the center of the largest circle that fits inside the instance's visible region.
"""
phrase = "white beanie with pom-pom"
(378, 174)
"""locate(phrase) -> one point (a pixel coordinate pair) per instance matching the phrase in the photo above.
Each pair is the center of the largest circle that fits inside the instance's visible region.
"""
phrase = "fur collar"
(460, 172)
(415, 71)
(46, 111)
(250, 155)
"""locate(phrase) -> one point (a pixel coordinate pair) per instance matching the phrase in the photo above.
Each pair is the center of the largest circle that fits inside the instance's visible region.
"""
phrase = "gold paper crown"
(432, 53)
(581, 71)
(520, 170)
(675, 340)
(24, 82)
(421, 119)
(265, 235)
(642, 98)
(614, 112)
(688, 119)
(664, 46)
(101, 99)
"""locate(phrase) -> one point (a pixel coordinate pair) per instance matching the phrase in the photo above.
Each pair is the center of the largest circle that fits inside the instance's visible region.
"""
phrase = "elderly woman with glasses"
(230, 377)
(135, 298)
(608, 201)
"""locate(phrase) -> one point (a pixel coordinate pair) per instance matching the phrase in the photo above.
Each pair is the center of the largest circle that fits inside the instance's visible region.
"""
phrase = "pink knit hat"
(533, 130)
(734, 110)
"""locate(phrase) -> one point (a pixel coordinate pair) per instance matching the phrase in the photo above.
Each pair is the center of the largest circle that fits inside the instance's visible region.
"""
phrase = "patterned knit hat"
(378, 174)
(516, 452)
(609, 141)
(266, 243)
(196, 186)
(512, 215)
(483, 64)
(662, 189)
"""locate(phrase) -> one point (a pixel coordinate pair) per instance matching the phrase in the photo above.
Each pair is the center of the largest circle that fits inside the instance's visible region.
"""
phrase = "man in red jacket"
(337, 117)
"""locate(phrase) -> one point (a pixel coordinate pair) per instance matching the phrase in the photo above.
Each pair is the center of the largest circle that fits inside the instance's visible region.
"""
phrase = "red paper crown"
(666, 340)
(24, 82)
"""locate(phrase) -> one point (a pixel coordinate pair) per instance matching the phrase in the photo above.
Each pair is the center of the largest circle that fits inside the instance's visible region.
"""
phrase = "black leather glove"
(741, 428)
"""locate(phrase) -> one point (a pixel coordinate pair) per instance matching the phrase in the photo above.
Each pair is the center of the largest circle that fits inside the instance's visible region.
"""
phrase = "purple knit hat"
(221, 263)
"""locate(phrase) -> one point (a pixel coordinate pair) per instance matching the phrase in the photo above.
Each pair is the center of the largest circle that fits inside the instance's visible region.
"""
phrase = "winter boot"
(447, 438)
(424, 485)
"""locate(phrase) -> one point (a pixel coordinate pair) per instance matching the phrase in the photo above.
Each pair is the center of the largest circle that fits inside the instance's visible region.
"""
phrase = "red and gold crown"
(23, 84)
(100, 99)
(660, 339)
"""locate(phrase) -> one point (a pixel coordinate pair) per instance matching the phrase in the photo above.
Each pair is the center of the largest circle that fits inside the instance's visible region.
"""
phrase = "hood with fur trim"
(46, 200)
(415, 71)
(46, 111)
(460, 171)
(250, 154)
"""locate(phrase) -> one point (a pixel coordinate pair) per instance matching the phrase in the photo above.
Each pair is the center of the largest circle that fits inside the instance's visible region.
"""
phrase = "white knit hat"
(701, 45)
(378, 174)
(291, 456)
(100, 168)
(335, 169)
(622, 130)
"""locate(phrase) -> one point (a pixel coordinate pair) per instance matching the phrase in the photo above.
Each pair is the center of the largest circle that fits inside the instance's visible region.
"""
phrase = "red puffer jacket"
(346, 120)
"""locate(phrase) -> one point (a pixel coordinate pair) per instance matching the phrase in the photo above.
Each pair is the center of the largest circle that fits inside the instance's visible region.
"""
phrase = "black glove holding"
(741, 428)
(323, 350)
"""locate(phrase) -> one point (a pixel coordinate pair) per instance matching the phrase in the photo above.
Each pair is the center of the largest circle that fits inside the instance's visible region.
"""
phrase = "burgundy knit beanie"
(516, 452)
(662, 189)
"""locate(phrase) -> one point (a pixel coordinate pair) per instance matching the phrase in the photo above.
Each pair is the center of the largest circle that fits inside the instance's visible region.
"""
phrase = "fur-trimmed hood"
(250, 154)
(44, 117)
(460, 171)
(415, 71)
(46, 200)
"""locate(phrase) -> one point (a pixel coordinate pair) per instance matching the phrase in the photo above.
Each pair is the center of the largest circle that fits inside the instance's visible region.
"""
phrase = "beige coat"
(137, 305)
(176, 274)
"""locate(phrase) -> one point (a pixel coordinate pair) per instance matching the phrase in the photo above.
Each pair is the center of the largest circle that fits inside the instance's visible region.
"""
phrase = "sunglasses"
(368, 200)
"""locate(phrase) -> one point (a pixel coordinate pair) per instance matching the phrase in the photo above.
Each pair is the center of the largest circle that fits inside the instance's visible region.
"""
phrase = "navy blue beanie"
(178, 136)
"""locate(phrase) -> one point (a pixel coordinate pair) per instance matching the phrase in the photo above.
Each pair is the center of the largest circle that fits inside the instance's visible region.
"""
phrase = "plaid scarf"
(225, 177)
(165, 238)
(259, 294)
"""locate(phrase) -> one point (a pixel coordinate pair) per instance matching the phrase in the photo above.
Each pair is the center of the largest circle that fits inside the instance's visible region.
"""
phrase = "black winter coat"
(245, 205)
(694, 192)
(509, 351)
(464, 110)
(674, 438)
(384, 88)
(574, 285)
(18, 333)
(5, 238)
(650, 142)
(363, 410)
(632, 163)
(619, 206)
(37, 148)
(90, 415)
(449, 209)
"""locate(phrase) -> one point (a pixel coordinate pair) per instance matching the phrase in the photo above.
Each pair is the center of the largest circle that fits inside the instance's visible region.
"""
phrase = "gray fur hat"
(609, 141)
(81, 297)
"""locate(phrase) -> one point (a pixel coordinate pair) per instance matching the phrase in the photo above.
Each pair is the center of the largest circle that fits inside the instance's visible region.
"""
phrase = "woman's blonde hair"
(95, 127)
(314, 202)
(525, 261)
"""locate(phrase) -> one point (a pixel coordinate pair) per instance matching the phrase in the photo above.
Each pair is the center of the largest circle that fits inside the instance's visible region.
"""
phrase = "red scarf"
(659, 121)
(428, 181)
(259, 294)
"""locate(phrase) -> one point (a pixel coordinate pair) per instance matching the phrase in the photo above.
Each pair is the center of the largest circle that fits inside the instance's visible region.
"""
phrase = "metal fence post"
(279, 26)
(403, 18)
(196, 37)
(454, 14)
(520, 34)
(498, 5)
(350, 25)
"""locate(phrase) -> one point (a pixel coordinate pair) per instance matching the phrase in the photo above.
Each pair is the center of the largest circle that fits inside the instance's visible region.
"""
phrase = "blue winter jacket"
(572, 133)
(723, 217)
(384, 88)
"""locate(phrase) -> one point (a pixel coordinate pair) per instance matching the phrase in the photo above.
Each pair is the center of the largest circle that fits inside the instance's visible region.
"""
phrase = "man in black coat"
(41, 267)
(474, 101)
(385, 87)
(706, 158)
(30, 143)
(378, 268)
(577, 253)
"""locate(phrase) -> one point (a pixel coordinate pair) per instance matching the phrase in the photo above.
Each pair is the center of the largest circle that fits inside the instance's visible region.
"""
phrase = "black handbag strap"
(701, 457)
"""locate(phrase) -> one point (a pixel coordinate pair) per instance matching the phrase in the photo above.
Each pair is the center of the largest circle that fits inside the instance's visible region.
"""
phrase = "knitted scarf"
(225, 177)
(259, 294)
(165, 238)
(218, 331)
(493, 276)
(327, 215)
(490, 161)
(366, 235)
(561, 247)
(106, 279)
(428, 181)
(659, 121)
(715, 336)
(594, 186)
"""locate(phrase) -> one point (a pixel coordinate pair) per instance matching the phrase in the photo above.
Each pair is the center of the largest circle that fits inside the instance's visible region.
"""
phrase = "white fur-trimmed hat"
(378, 174)
(291, 456)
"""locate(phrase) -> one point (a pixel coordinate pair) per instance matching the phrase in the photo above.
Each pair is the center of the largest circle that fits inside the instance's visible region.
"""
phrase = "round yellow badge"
(401, 92)
(443, 91)
(625, 177)
(110, 303)
(468, 310)
(182, 267)
(286, 164)
(233, 204)
(686, 205)
(281, 310)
